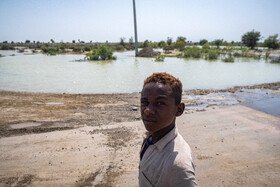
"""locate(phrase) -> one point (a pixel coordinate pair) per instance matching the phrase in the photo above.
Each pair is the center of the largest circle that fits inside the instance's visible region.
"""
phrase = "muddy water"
(62, 74)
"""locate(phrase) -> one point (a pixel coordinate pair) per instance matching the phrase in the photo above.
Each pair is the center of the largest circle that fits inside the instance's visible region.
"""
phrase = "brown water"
(62, 74)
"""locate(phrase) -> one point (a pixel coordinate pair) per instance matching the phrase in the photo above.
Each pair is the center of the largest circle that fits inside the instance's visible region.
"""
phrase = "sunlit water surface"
(62, 74)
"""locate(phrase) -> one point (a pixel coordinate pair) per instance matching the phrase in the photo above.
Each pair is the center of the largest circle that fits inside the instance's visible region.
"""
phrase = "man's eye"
(144, 103)
(160, 103)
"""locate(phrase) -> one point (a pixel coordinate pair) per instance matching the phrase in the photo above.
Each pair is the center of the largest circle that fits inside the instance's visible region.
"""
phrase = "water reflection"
(41, 73)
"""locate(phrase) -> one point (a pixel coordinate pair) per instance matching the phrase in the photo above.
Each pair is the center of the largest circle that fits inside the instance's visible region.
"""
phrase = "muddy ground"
(85, 140)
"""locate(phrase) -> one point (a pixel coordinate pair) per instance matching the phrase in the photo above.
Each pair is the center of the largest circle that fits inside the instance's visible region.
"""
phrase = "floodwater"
(62, 74)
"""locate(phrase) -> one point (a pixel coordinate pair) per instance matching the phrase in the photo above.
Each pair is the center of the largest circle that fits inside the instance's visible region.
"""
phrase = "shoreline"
(270, 85)
(94, 139)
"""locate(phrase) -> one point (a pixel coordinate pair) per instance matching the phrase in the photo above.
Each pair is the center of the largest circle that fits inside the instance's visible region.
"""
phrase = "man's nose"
(149, 110)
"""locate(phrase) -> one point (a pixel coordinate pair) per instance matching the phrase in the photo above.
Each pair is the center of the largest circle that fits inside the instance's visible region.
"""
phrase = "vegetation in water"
(229, 59)
(212, 55)
(193, 52)
(159, 58)
(209, 50)
(101, 53)
(272, 42)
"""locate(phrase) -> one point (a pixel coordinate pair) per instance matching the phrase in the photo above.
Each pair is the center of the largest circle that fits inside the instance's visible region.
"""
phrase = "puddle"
(261, 99)
(24, 125)
(54, 103)
(49, 103)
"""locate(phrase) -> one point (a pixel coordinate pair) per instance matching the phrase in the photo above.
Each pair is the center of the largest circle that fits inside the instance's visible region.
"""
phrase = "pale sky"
(101, 20)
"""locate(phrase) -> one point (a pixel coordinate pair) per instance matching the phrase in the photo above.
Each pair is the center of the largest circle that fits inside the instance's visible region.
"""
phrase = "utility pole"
(135, 29)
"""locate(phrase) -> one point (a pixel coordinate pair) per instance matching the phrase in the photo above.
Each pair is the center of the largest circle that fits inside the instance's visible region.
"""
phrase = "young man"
(165, 157)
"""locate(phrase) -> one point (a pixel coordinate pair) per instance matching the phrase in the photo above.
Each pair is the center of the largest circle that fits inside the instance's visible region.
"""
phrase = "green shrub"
(212, 55)
(194, 52)
(202, 42)
(218, 42)
(272, 42)
(161, 44)
(159, 58)
(146, 43)
(50, 50)
(102, 52)
(87, 48)
(205, 48)
(180, 43)
(6, 47)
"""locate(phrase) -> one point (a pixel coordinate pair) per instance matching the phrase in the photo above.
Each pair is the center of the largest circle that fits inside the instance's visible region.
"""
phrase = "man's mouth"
(149, 120)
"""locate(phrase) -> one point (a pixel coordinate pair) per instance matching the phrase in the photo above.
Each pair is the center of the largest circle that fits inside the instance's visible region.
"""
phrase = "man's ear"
(180, 109)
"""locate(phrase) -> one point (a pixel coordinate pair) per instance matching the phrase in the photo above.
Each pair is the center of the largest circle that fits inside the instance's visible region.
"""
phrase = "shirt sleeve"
(182, 176)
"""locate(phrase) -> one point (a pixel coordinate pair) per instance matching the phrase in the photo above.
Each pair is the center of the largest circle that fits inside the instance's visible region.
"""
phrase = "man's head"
(161, 101)
(169, 80)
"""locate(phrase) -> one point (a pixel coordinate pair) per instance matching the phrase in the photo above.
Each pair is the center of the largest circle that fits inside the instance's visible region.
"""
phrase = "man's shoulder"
(180, 153)
(179, 166)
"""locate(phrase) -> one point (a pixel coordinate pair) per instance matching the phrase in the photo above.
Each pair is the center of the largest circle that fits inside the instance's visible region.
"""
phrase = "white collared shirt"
(168, 162)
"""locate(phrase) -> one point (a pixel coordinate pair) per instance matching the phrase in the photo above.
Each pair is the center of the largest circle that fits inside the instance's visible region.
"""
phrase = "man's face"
(158, 109)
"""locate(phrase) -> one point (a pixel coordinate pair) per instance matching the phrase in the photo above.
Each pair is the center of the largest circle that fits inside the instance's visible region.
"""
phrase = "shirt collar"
(166, 139)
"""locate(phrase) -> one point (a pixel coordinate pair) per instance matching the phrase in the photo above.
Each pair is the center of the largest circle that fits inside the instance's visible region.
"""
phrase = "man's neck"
(156, 136)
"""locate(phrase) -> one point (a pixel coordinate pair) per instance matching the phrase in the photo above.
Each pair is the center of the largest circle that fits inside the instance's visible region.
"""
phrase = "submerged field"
(64, 74)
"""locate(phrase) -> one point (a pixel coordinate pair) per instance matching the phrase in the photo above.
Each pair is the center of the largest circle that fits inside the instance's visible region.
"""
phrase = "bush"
(206, 48)
(218, 42)
(87, 48)
(50, 50)
(146, 44)
(161, 44)
(272, 42)
(212, 55)
(159, 58)
(6, 47)
(180, 43)
(102, 52)
(194, 52)
(202, 42)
